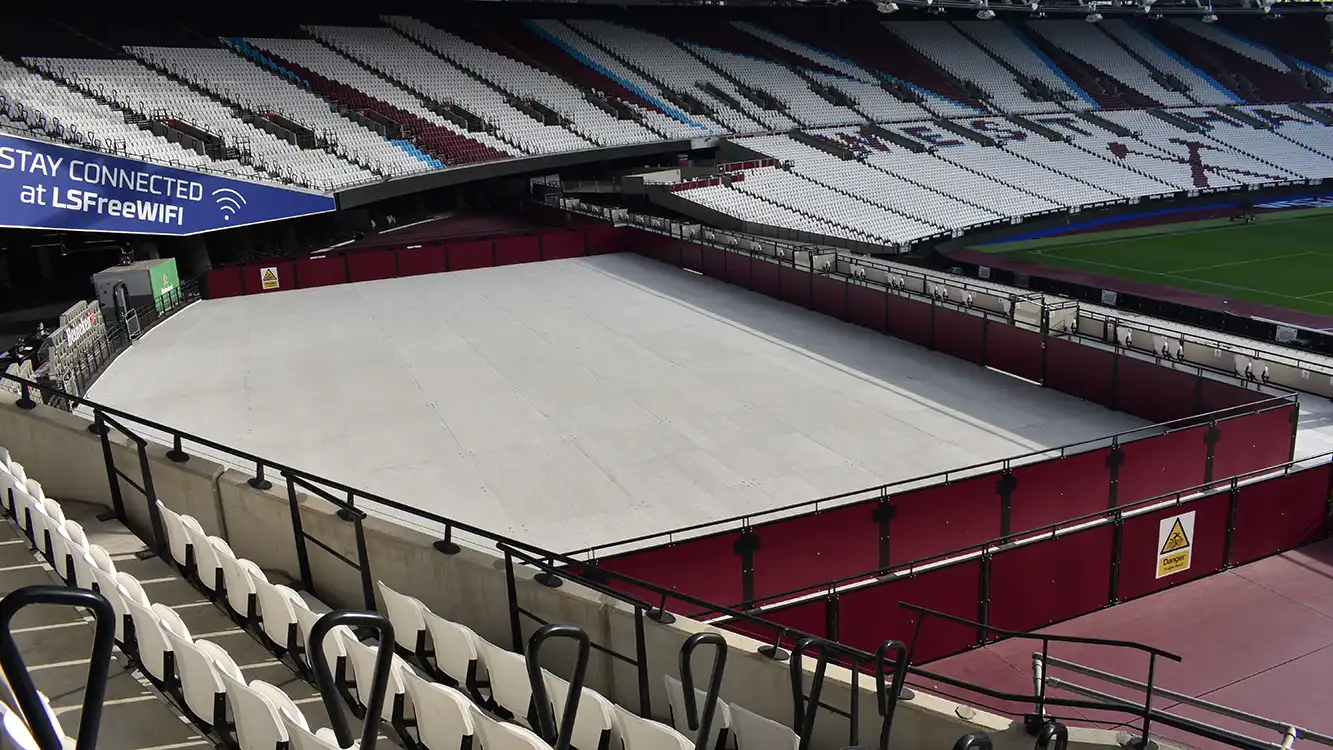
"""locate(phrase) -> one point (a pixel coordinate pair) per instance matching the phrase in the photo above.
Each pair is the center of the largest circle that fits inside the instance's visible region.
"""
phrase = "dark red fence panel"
(810, 616)
(868, 615)
(1150, 560)
(1160, 465)
(808, 550)
(522, 249)
(371, 265)
(692, 256)
(1059, 489)
(468, 255)
(938, 519)
(325, 271)
(866, 307)
(829, 296)
(795, 285)
(714, 262)
(223, 282)
(1253, 442)
(1079, 370)
(422, 260)
(1013, 350)
(1155, 393)
(909, 320)
(1281, 513)
(1036, 584)
(737, 269)
(707, 568)
(960, 334)
(279, 272)
(561, 245)
(1218, 395)
(603, 238)
(764, 278)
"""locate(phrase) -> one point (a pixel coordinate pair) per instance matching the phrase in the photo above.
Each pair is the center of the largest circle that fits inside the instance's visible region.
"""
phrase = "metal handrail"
(328, 687)
(1053, 736)
(99, 665)
(973, 741)
(558, 737)
(1217, 708)
(692, 720)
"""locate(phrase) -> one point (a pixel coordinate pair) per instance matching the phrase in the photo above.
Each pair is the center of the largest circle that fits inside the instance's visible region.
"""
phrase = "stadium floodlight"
(985, 14)
(884, 7)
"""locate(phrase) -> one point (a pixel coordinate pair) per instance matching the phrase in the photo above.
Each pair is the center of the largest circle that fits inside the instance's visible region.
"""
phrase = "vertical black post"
(1114, 460)
(641, 665)
(1233, 508)
(511, 590)
(117, 501)
(1295, 416)
(541, 247)
(363, 562)
(831, 616)
(1147, 700)
(1005, 487)
(298, 535)
(983, 599)
(883, 516)
(154, 515)
(745, 548)
(1045, 337)
(1210, 439)
(1117, 552)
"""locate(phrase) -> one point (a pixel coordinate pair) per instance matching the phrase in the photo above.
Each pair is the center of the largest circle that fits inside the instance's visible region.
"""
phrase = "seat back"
(675, 692)
(405, 614)
(636, 733)
(153, 645)
(594, 723)
(177, 541)
(236, 576)
(258, 710)
(110, 589)
(199, 680)
(754, 732)
(101, 559)
(361, 662)
(444, 715)
(499, 735)
(14, 734)
(456, 648)
(509, 679)
(303, 739)
(305, 622)
(276, 614)
(206, 567)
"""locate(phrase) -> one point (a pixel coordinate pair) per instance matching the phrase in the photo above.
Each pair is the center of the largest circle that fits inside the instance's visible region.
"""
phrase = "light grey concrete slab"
(578, 402)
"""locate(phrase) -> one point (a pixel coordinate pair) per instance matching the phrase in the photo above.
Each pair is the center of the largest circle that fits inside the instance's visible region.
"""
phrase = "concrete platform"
(576, 402)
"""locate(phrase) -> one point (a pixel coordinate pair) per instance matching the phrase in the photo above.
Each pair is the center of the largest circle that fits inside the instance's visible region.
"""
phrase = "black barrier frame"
(555, 567)
(104, 423)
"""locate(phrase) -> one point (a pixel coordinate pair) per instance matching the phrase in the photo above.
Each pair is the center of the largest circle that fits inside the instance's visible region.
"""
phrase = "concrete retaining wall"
(61, 452)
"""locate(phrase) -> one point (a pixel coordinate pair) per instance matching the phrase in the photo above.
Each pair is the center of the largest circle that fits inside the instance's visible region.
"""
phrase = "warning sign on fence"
(1175, 544)
(269, 277)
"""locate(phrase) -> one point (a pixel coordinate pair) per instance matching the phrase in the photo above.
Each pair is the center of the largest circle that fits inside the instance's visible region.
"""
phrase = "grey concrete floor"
(576, 402)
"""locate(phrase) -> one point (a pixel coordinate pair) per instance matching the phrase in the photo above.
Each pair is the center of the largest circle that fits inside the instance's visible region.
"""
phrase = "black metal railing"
(328, 685)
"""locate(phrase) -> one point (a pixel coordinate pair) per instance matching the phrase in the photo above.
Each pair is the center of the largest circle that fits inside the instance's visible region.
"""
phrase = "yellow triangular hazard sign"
(269, 275)
(1176, 540)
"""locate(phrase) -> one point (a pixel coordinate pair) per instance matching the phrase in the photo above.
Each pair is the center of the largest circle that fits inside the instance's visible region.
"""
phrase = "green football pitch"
(1284, 259)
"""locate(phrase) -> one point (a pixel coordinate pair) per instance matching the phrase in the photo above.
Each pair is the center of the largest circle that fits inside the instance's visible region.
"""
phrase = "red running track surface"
(1258, 638)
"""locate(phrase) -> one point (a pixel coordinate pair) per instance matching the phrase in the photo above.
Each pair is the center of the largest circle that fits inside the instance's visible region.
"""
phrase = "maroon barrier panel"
(909, 320)
(463, 256)
(794, 285)
(1057, 490)
(828, 295)
(521, 249)
(692, 257)
(326, 271)
(1157, 394)
(223, 282)
(1013, 350)
(422, 260)
(960, 334)
(1163, 464)
(737, 269)
(1080, 371)
(1281, 513)
(1256, 441)
(866, 307)
(764, 277)
(869, 615)
(713, 263)
(560, 245)
(1039, 583)
(807, 617)
(934, 520)
(1217, 395)
(603, 238)
(1141, 544)
(698, 567)
(371, 265)
(283, 278)
(808, 550)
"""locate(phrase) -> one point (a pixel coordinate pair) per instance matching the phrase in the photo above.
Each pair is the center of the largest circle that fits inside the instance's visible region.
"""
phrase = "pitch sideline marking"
(1251, 260)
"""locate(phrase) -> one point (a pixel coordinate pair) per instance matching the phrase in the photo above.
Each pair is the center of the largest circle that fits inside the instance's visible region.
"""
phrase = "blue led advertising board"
(44, 185)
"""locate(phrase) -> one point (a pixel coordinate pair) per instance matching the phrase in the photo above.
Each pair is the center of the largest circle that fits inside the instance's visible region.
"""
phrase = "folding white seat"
(178, 542)
(595, 721)
(361, 663)
(333, 644)
(154, 650)
(258, 711)
(458, 659)
(303, 739)
(4, 459)
(510, 689)
(67, 541)
(25, 507)
(644, 734)
(409, 627)
(205, 550)
(675, 692)
(444, 715)
(499, 735)
(45, 522)
(240, 586)
(276, 616)
(14, 734)
(110, 588)
(199, 666)
(754, 732)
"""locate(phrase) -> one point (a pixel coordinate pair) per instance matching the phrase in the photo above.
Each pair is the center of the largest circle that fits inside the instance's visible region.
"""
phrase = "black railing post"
(1117, 554)
(258, 481)
(1233, 509)
(25, 398)
(511, 590)
(559, 737)
(328, 687)
(298, 536)
(363, 562)
(117, 500)
(702, 726)
(176, 454)
(1147, 701)
(641, 665)
(888, 704)
(446, 545)
(154, 513)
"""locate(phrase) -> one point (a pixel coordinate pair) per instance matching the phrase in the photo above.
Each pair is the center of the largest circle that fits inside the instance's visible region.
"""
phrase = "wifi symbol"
(226, 203)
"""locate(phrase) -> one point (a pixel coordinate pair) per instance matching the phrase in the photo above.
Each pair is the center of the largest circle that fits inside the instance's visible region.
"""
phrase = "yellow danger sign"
(1175, 538)
(269, 277)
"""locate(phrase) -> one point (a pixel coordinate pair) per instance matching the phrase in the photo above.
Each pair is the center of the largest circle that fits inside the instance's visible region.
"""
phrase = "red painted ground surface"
(1258, 638)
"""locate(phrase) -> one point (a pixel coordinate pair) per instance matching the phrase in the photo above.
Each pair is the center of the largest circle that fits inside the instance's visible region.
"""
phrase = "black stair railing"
(328, 687)
(702, 726)
(20, 681)
(559, 738)
(973, 741)
(1053, 736)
